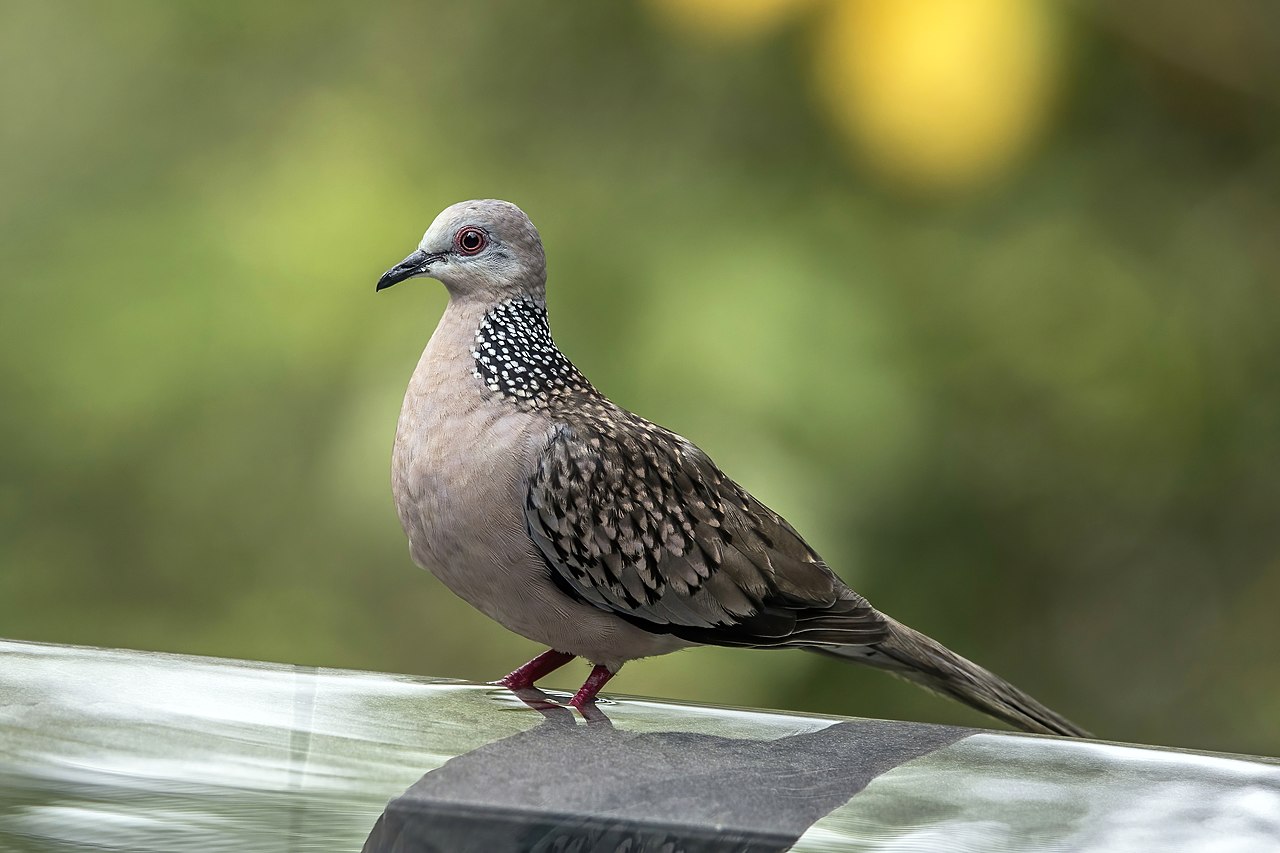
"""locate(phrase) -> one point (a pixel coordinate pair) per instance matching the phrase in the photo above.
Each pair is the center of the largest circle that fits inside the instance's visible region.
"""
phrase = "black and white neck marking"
(516, 357)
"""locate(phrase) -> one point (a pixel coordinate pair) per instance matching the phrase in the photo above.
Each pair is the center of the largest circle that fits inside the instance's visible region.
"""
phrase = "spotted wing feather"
(636, 520)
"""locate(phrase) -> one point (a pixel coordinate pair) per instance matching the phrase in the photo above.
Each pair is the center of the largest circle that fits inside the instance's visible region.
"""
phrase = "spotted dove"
(590, 530)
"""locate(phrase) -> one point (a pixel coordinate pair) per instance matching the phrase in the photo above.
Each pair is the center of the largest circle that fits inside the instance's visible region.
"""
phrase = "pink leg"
(544, 664)
(587, 693)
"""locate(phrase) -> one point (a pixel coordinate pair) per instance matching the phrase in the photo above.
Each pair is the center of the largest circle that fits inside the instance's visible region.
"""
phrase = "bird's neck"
(514, 355)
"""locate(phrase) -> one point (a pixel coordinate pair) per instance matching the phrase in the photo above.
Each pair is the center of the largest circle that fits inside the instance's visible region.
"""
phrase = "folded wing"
(638, 521)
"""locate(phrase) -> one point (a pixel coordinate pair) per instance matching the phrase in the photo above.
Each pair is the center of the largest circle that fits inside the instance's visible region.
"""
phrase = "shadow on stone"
(563, 787)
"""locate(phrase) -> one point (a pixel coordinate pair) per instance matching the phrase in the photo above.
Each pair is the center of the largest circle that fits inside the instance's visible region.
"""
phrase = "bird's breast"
(463, 457)
(460, 466)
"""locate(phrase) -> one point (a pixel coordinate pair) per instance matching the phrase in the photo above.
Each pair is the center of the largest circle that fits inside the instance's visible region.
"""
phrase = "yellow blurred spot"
(940, 94)
(727, 19)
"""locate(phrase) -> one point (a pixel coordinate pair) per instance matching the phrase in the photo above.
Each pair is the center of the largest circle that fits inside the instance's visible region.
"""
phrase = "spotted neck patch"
(516, 357)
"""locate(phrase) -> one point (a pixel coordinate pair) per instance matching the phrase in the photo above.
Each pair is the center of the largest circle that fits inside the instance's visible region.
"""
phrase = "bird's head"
(485, 249)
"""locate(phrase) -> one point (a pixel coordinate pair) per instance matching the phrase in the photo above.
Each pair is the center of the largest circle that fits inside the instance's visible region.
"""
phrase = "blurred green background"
(984, 295)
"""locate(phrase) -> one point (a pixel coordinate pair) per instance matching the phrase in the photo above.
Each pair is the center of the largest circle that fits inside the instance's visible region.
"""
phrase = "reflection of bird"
(580, 525)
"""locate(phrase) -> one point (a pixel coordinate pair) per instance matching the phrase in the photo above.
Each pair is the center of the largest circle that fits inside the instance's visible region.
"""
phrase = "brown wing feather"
(636, 520)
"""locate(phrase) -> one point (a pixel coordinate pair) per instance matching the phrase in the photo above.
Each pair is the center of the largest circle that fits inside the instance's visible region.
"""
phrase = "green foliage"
(1040, 422)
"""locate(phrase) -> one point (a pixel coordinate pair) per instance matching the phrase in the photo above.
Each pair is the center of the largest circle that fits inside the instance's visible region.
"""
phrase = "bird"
(592, 531)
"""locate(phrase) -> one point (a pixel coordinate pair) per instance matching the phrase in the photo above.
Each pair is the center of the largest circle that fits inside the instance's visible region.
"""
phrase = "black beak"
(414, 265)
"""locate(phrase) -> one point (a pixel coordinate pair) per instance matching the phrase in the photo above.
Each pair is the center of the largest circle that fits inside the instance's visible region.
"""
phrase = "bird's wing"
(638, 521)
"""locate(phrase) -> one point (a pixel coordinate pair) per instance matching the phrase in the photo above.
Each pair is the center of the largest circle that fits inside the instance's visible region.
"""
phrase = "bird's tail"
(911, 655)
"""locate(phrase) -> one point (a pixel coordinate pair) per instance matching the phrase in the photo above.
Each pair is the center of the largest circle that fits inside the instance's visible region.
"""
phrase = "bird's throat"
(516, 357)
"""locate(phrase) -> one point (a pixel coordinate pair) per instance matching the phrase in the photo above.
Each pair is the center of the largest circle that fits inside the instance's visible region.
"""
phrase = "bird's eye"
(471, 241)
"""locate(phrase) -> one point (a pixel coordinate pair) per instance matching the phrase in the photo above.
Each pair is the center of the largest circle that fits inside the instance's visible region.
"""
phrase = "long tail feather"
(911, 655)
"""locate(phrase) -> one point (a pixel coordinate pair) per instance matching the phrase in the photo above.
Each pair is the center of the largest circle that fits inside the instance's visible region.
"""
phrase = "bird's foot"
(544, 664)
(586, 694)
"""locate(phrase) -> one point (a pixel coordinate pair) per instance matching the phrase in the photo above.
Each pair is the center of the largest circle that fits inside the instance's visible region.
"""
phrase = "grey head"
(484, 249)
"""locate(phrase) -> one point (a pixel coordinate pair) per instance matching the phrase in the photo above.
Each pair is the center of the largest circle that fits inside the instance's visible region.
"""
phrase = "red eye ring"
(471, 240)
